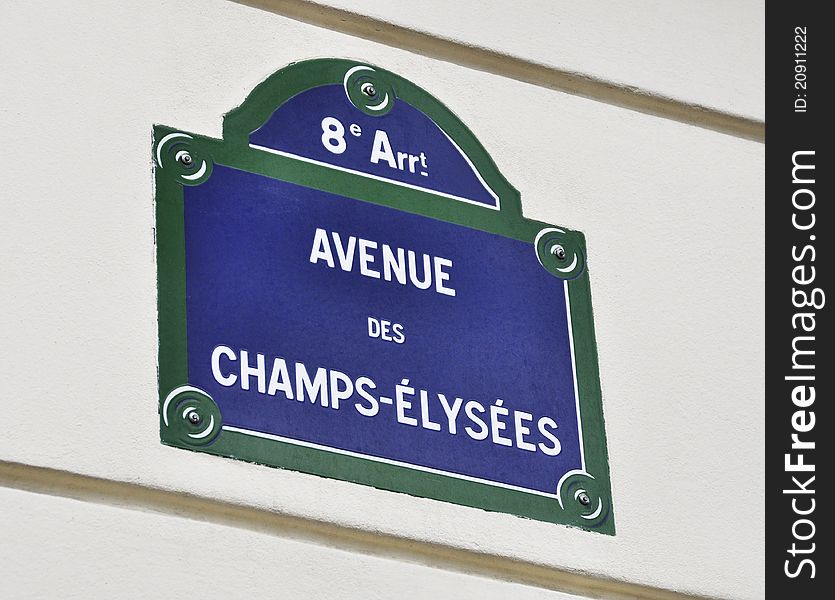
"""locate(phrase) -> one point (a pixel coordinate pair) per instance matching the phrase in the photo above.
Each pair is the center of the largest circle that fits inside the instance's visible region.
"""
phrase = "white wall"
(704, 52)
(64, 549)
(674, 222)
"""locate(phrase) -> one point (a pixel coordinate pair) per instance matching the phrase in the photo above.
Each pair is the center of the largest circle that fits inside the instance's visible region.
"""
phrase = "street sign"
(347, 287)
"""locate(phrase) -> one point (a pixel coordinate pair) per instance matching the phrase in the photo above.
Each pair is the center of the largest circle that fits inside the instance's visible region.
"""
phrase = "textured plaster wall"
(705, 52)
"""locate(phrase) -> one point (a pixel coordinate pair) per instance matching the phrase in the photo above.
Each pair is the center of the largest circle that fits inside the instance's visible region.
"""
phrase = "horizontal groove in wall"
(484, 59)
(129, 496)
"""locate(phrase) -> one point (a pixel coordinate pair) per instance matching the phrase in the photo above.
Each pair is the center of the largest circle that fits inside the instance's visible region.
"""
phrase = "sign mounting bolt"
(368, 89)
(194, 418)
(584, 499)
(186, 160)
(558, 251)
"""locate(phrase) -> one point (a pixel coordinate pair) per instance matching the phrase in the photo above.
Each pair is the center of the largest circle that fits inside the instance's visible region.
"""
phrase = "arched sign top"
(365, 120)
(347, 287)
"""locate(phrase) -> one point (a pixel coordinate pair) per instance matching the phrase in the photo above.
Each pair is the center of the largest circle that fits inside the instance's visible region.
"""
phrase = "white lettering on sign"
(333, 135)
(381, 150)
(413, 407)
(381, 261)
(386, 330)
(333, 139)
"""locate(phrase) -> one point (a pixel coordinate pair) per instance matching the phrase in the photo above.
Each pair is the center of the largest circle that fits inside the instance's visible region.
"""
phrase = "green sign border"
(583, 499)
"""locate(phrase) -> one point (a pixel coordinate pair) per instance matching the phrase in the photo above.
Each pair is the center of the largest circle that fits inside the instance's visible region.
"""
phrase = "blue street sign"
(428, 343)
(348, 288)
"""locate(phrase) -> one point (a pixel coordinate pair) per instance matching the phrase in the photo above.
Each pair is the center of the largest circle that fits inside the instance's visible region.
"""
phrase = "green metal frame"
(584, 497)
